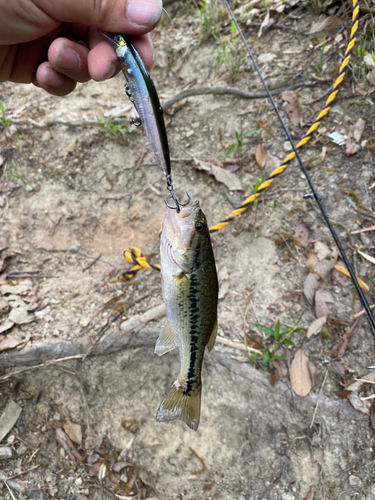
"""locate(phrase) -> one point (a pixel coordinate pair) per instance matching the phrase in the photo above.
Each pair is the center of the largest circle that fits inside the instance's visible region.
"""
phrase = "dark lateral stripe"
(194, 333)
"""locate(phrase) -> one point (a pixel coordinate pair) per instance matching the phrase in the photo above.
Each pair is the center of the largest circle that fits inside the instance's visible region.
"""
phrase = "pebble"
(288, 496)
(5, 453)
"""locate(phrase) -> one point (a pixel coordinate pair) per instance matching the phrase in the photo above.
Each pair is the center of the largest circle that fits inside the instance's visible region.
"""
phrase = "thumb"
(132, 17)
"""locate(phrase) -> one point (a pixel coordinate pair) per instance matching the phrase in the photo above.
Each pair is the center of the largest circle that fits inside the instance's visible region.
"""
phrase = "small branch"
(230, 91)
(92, 263)
(317, 401)
(236, 345)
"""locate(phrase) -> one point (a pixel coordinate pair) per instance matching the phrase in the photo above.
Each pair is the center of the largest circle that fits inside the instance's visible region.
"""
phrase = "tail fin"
(181, 406)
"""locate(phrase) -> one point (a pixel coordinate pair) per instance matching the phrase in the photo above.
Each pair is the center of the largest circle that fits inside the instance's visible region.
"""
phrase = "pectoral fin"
(165, 342)
(211, 342)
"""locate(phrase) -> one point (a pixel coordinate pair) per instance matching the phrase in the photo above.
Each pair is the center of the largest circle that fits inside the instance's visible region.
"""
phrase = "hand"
(56, 44)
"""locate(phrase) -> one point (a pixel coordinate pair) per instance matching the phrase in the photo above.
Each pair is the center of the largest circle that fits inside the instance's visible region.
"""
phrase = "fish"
(190, 291)
(141, 90)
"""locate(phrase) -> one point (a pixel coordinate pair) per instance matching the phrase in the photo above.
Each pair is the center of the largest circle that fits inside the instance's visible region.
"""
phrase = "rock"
(5, 453)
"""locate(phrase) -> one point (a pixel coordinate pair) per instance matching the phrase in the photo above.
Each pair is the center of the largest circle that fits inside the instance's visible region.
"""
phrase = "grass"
(119, 129)
(3, 120)
(279, 336)
(236, 148)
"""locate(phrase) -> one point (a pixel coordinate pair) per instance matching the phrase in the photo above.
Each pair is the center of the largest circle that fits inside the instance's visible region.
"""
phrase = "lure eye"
(199, 227)
(118, 38)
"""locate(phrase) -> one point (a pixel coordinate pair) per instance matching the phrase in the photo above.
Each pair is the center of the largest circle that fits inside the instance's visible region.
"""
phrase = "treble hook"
(174, 198)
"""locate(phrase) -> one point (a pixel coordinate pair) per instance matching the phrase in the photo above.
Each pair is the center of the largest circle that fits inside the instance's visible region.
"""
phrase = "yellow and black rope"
(135, 255)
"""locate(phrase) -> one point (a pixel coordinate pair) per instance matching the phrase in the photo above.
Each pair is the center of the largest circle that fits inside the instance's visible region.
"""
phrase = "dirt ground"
(74, 196)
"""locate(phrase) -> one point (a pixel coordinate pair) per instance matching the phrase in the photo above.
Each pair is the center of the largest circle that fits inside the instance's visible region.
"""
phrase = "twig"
(363, 311)
(230, 91)
(139, 160)
(22, 473)
(364, 230)
(318, 98)
(10, 491)
(92, 263)
(317, 401)
(236, 345)
(34, 123)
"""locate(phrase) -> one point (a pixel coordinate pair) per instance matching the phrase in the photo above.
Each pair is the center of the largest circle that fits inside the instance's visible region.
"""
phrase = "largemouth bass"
(190, 289)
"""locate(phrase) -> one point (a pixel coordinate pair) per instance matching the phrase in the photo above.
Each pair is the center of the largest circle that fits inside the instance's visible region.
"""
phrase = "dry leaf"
(271, 18)
(9, 418)
(358, 129)
(4, 307)
(74, 432)
(260, 155)
(322, 297)
(9, 342)
(230, 180)
(6, 325)
(23, 287)
(301, 233)
(322, 250)
(293, 109)
(20, 316)
(359, 404)
(316, 326)
(252, 342)
(343, 270)
(369, 378)
(342, 339)
(312, 260)
(372, 415)
(310, 496)
(300, 377)
(366, 256)
(3, 243)
(351, 148)
(330, 23)
(337, 277)
(280, 371)
(313, 278)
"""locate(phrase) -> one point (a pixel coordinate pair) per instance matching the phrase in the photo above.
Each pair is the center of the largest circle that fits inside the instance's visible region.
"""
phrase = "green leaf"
(288, 342)
(251, 132)
(266, 356)
(278, 357)
(230, 151)
(257, 184)
(277, 330)
(233, 26)
(263, 328)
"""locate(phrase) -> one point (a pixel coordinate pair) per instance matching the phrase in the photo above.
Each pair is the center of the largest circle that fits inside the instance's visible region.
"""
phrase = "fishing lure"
(142, 93)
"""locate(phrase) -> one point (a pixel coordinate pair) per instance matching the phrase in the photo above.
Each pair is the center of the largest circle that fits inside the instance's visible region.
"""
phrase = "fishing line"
(309, 181)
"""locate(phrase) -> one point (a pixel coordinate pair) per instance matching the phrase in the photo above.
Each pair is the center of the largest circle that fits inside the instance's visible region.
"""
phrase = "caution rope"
(142, 261)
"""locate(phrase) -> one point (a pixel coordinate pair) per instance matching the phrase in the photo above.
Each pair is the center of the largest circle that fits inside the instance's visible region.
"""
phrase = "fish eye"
(199, 227)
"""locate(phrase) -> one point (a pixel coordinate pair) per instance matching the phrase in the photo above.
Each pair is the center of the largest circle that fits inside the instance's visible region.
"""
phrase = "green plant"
(361, 50)
(209, 14)
(324, 43)
(117, 128)
(16, 174)
(3, 120)
(237, 146)
(280, 336)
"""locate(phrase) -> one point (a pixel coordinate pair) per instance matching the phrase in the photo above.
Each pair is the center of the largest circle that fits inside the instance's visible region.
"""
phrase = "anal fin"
(166, 341)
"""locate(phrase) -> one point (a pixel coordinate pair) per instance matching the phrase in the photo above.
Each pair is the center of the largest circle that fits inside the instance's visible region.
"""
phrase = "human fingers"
(132, 17)
(69, 58)
(52, 81)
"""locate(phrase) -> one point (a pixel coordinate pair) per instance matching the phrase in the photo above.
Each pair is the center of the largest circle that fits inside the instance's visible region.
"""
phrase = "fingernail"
(52, 78)
(67, 58)
(109, 72)
(144, 12)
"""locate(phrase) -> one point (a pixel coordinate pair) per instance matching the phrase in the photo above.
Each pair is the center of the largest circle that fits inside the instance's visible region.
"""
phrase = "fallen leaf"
(368, 378)
(310, 496)
(337, 369)
(271, 18)
(252, 342)
(300, 377)
(294, 108)
(280, 371)
(3, 243)
(322, 250)
(6, 325)
(358, 129)
(260, 155)
(301, 233)
(343, 270)
(371, 80)
(337, 277)
(4, 307)
(372, 415)
(330, 23)
(316, 326)
(359, 404)
(312, 260)
(230, 180)
(68, 446)
(10, 342)
(20, 316)
(313, 278)
(366, 256)
(215, 161)
(342, 339)
(9, 418)
(20, 289)
(4, 263)
(351, 148)
(369, 61)
(322, 297)
(74, 431)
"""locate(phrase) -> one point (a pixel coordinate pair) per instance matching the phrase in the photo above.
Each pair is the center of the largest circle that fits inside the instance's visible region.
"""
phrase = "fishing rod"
(295, 150)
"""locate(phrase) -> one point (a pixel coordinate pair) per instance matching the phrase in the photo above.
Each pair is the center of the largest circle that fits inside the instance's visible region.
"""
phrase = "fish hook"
(174, 197)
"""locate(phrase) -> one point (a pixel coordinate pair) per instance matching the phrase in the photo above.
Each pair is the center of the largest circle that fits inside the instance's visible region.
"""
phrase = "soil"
(73, 197)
